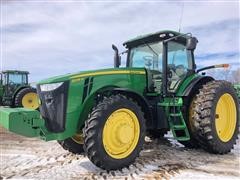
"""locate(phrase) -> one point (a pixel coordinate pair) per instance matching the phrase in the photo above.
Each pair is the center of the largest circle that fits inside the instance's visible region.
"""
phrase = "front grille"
(53, 107)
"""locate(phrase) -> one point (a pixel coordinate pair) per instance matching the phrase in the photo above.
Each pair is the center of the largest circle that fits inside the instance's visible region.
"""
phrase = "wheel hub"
(225, 117)
(30, 101)
(125, 134)
(121, 133)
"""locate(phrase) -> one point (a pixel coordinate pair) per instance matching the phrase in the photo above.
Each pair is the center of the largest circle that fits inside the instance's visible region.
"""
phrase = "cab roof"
(15, 72)
(147, 38)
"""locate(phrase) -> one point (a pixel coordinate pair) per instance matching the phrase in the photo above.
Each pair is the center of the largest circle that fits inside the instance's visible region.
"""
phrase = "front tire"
(114, 133)
(73, 144)
(216, 117)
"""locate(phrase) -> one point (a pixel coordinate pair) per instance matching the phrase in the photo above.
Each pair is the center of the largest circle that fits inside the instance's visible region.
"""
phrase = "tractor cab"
(167, 57)
(11, 80)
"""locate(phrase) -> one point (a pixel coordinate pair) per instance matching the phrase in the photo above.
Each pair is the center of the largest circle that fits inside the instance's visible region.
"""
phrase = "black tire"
(72, 146)
(205, 117)
(192, 143)
(20, 95)
(93, 132)
(156, 133)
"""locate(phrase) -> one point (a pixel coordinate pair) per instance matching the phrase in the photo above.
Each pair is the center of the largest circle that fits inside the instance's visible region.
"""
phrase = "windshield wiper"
(151, 48)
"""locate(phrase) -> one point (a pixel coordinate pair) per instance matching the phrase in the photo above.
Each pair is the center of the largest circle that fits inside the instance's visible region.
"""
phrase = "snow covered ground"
(25, 158)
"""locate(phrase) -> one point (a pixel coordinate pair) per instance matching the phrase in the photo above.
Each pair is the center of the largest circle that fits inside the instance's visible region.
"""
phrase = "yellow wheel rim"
(226, 117)
(78, 138)
(121, 133)
(191, 113)
(30, 101)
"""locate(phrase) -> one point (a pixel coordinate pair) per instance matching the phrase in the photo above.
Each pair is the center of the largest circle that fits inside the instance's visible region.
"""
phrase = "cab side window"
(149, 56)
(179, 63)
(4, 79)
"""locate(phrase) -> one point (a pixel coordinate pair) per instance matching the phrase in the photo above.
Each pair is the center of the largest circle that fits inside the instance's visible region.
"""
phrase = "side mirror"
(117, 58)
(191, 43)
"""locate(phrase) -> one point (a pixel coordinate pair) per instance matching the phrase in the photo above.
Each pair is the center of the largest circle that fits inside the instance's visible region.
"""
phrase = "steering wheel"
(182, 68)
(11, 82)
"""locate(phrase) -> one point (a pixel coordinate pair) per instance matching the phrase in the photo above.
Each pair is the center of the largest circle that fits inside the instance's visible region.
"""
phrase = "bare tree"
(225, 74)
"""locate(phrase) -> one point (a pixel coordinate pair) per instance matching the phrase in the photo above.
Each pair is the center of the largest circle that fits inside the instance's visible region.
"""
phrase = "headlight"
(50, 87)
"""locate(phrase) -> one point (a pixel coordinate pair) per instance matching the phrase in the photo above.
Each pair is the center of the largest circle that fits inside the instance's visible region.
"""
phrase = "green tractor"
(107, 113)
(15, 90)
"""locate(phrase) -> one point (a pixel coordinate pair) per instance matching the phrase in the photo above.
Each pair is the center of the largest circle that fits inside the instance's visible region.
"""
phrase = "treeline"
(226, 74)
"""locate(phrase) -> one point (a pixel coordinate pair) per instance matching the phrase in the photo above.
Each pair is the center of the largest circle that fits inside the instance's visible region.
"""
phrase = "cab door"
(149, 56)
(179, 65)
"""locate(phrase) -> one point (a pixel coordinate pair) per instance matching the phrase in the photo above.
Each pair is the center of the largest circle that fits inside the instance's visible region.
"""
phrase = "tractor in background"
(15, 91)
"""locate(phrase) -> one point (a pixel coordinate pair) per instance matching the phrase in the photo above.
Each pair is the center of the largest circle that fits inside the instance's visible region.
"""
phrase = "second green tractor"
(15, 91)
(107, 113)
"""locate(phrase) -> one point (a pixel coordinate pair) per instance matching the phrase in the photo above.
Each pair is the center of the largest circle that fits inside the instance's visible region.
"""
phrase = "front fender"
(132, 82)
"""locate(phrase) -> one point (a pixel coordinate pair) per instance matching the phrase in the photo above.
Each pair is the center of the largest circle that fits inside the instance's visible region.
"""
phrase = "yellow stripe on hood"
(108, 73)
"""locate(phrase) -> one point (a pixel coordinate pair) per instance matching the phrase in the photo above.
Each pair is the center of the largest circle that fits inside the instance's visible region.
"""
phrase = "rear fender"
(195, 84)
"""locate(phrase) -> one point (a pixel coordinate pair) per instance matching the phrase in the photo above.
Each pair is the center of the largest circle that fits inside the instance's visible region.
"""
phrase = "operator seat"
(177, 74)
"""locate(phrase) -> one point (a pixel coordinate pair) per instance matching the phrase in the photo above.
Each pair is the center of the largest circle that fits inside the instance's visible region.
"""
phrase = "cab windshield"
(147, 55)
(17, 78)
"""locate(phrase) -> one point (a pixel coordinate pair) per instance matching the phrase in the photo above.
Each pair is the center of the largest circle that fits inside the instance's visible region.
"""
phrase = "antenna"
(181, 17)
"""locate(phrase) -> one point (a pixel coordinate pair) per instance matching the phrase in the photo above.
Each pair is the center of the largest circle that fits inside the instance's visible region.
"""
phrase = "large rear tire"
(114, 133)
(27, 98)
(216, 117)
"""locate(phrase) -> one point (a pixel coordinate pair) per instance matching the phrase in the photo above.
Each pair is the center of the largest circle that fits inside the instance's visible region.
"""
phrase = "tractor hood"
(85, 74)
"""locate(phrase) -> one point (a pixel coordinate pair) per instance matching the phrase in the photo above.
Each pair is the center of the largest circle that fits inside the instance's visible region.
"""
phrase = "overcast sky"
(56, 37)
